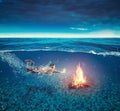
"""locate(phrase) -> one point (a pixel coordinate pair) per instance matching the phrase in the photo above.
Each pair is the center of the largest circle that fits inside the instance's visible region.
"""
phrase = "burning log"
(71, 86)
(79, 80)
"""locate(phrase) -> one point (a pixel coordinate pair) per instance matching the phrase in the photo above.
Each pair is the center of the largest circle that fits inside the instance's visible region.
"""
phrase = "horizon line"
(57, 35)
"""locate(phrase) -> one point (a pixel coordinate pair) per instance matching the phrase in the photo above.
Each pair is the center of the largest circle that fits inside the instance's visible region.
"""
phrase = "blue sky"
(83, 17)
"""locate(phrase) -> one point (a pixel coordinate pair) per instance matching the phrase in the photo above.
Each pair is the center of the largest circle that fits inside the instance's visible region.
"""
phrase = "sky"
(55, 18)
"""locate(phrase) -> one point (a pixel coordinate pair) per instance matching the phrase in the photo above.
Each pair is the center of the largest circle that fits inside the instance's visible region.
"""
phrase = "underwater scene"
(88, 76)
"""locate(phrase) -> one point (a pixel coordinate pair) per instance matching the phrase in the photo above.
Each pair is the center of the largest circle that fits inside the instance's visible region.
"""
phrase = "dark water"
(22, 91)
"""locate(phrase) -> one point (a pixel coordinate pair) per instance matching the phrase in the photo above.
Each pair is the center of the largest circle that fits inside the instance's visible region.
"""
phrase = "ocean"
(23, 91)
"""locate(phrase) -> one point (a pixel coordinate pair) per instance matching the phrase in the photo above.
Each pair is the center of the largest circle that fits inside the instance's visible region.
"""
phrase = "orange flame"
(79, 79)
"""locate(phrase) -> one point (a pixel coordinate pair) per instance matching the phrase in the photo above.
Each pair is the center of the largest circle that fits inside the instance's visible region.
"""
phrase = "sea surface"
(23, 91)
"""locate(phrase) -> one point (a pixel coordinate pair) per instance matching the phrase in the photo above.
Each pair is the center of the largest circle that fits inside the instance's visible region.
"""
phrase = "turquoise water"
(22, 91)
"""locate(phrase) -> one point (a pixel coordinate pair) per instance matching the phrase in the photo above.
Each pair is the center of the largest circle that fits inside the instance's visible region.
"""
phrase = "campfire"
(79, 79)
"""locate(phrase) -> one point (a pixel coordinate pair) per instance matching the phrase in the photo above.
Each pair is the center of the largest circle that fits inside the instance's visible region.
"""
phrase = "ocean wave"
(110, 53)
(105, 53)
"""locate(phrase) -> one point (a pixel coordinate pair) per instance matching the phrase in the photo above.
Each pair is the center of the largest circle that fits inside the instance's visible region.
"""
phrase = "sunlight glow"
(100, 34)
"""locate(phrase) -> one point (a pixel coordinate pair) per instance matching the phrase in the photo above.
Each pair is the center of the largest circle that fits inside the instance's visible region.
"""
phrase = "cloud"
(103, 14)
(104, 33)
(73, 28)
(40, 10)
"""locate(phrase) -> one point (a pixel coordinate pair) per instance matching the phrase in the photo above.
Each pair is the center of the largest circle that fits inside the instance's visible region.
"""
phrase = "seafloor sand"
(27, 93)
(20, 91)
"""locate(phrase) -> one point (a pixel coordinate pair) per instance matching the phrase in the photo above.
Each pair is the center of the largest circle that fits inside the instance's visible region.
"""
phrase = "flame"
(79, 79)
